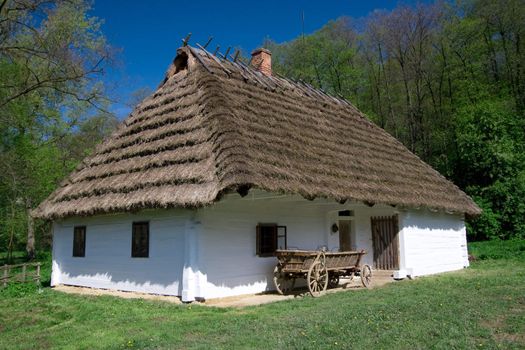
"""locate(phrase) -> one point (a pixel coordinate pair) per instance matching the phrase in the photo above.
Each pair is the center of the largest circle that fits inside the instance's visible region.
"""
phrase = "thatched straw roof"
(215, 126)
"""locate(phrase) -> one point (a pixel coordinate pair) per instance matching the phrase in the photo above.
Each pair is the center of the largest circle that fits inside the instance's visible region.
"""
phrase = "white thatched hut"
(171, 202)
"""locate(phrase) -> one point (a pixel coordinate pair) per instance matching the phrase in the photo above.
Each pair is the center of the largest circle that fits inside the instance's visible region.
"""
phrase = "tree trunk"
(11, 236)
(30, 246)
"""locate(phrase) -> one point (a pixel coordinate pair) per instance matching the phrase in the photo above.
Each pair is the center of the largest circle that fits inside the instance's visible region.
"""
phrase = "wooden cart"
(321, 269)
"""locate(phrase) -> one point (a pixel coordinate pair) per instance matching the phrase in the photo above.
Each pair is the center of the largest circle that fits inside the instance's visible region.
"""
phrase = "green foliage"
(328, 59)
(437, 312)
(19, 290)
(513, 249)
(444, 78)
(491, 166)
(490, 140)
(487, 225)
(51, 107)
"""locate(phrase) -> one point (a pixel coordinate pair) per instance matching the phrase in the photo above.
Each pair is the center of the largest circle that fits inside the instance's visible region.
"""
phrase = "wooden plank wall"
(386, 242)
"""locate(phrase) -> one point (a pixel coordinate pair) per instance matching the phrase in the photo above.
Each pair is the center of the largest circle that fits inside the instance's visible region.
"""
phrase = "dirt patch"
(247, 300)
(380, 278)
(497, 326)
(116, 293)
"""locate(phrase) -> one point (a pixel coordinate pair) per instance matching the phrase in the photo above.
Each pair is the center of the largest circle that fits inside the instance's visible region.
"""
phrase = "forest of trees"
(447, 79)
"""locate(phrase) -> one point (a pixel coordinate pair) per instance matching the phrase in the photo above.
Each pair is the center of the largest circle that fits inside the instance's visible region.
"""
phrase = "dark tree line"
(448, 80)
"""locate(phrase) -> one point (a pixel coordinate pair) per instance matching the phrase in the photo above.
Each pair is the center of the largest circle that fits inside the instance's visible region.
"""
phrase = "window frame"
(77, 230)
(136, 252)
(276, 236)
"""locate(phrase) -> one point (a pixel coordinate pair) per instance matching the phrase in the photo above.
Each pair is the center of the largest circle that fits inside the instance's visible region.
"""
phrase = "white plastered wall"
(432, 242)
(108, 263)
(210, 252)
(227, 260)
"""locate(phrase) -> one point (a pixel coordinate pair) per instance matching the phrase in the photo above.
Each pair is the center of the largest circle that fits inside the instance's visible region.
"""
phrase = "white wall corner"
(193, 281)
(55, 274)
(55, 267)
(400, 274)
(464, 246)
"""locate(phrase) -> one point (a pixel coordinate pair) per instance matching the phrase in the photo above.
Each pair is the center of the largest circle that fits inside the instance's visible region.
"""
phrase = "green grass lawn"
(481, 307)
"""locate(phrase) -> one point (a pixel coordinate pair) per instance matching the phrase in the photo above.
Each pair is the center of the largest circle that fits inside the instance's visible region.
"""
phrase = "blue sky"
(148, 33)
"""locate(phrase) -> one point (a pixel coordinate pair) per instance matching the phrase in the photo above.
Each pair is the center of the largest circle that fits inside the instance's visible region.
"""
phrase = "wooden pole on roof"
(186, 39)
(208, 42)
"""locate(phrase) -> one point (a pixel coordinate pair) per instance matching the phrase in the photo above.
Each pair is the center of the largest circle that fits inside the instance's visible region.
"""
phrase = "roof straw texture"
(215, 126)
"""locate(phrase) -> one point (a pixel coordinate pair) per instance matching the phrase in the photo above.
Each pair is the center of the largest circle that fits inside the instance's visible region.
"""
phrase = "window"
(140, 240)
(79, 241)
(346, 213)
(270, 237)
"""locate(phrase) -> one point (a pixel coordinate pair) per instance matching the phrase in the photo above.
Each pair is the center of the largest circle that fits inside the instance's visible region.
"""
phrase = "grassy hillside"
(481, 307)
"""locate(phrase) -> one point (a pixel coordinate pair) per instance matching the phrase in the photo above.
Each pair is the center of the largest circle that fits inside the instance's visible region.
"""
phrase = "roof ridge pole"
(249, 74)
(330, 96)
(282, 81)
(300, 85)
(199, 58)
(208, 54)
(241, 69)
(253, 73)
(214, 57)
(314, 90)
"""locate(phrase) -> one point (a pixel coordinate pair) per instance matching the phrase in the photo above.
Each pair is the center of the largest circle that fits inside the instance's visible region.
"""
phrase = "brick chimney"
(262, 61)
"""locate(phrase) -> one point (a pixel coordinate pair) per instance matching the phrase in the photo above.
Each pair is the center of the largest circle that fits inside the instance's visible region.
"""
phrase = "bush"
(498, 249)
(491, 167)
(17, 290)
(487, 225)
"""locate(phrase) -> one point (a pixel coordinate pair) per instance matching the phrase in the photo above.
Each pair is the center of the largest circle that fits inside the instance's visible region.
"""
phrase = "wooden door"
(386, 242)
(344, 236)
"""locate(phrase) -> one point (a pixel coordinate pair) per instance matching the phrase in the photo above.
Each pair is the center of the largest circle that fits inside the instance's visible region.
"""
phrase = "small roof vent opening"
(180, 62)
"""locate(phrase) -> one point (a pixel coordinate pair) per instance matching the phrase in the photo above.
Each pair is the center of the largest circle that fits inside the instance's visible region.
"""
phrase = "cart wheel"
(333, 281)
(366, 275)
(283, 284)
(317, 278)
